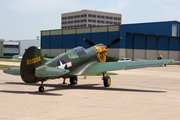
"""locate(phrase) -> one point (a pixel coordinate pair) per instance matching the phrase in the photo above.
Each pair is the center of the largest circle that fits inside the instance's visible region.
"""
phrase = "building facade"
(89, 18)
(139, 41)
(18, 47)
(9, 48)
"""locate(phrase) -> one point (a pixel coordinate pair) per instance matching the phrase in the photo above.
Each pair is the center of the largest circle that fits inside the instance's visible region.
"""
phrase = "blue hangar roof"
(55, 39)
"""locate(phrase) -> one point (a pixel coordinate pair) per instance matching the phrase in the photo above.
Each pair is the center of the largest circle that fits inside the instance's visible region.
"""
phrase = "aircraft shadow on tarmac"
(66, 87)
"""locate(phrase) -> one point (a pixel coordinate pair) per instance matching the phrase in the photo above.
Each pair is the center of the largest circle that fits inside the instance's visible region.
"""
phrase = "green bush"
(111, 59)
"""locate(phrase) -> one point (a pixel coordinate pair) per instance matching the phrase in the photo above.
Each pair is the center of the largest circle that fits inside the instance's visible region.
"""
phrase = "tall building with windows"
(89, 18)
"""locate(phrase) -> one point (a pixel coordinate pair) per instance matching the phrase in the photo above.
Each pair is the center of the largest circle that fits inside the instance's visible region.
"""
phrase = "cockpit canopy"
(78, 52)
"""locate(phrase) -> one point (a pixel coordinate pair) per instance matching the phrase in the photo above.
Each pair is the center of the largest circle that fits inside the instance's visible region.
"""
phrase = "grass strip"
(2, 67)
(8, 60)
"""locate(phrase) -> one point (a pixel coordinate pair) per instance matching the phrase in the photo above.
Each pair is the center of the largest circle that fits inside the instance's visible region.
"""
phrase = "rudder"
(32, 59)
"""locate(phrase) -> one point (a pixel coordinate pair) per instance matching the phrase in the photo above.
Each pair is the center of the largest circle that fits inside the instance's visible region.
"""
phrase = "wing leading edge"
(110, 66)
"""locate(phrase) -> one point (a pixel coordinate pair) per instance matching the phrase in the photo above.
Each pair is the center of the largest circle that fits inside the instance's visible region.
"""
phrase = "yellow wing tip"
(120, 38)
(84, 39)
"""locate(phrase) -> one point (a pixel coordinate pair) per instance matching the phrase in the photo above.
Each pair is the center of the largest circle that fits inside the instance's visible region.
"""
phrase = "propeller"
(110, 45)
(114, 42)
(89, 42)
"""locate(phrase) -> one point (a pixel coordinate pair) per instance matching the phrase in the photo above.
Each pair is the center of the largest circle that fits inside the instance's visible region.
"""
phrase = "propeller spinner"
(102, 52)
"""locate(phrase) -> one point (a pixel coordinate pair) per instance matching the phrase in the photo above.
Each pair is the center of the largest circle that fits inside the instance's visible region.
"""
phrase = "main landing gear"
(73, 80)
(106, 80)
(41, 88)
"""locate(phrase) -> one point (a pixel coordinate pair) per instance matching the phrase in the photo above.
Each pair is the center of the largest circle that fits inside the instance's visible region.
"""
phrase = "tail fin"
(32, 59)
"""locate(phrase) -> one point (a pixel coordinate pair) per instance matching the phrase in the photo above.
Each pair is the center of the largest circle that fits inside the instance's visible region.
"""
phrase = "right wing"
(111, 66)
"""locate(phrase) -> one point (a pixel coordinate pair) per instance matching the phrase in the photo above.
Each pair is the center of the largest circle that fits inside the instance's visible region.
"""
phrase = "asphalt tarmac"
(140, 94)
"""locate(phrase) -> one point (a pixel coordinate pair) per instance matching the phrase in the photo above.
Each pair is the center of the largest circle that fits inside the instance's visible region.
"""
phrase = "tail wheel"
(73, 80)
(107, 81)
(41, 89)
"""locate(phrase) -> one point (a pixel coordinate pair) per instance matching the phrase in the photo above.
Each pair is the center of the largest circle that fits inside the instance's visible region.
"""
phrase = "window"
(78, 16)
(94, 20)
(111, 18)
(89, 20)
(94, 16)
(111, 22)
(107, 17)
(77, 21)
(98, 21)
(89, 25)
(69, 17)
(98, 16)
(62, 22)
(65, 22)
(69, 22)
(102, 17)
(94, 25)
(89, 15)
(78, 52)
(107, 22)
(81, 51)
(102, 21)
(10, 46)
(84, 25)
(65, 18)
(72, 54)
(77, 26)
(10, 54)
(115, 18)
(69, 26)
(119, 18)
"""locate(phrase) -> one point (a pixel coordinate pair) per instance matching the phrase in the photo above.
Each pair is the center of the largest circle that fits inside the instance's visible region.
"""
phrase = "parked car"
(124, 60)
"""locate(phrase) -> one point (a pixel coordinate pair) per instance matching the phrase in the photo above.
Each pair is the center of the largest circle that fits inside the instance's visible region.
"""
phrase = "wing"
(17, 57)
(110, 66)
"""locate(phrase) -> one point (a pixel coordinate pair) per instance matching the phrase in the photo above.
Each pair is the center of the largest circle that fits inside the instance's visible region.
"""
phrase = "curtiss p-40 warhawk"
(77, 61)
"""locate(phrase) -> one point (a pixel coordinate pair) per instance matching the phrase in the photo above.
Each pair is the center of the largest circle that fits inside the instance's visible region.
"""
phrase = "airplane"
(77, 61)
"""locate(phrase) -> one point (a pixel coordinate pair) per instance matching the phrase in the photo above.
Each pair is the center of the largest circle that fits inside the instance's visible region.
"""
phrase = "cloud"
(42, 5)
(166, 7)
(118, 7)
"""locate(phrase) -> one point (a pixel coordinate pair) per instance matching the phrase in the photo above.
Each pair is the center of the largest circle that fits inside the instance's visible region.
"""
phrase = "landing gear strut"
(41, 88)
(106, 80)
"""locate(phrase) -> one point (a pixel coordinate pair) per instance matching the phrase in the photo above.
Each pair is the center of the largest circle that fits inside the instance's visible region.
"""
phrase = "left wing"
(110, 66)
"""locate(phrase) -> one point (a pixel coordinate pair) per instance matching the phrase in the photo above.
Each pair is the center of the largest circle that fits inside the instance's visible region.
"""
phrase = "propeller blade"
(114, 42)
(89, 42)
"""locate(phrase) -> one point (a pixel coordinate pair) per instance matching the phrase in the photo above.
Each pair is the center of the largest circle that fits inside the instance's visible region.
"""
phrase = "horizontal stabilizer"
(50, 72)
(12, 71)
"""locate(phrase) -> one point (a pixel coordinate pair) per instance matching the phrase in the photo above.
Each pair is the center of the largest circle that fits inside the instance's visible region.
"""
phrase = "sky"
(24, 19)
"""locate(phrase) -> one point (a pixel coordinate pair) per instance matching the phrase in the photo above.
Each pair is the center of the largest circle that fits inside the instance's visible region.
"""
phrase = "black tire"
(164, 65)
(107, 81)
(41, 88)
(73, 80)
